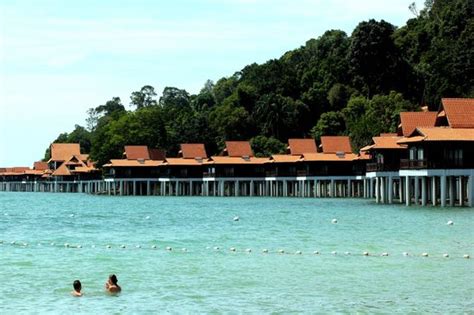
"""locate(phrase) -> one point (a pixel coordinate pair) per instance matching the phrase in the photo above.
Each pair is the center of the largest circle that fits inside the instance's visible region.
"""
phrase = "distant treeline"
(333, 85)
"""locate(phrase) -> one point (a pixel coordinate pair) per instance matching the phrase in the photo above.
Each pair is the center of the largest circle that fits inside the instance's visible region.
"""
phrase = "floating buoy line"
(232, 250)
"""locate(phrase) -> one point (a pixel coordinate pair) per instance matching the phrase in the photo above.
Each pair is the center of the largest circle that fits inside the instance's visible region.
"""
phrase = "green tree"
(143, 98)
(330, 124)
(263, 146)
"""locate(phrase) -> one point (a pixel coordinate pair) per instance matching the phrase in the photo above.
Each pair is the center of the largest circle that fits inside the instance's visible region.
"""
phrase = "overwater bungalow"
(439, 168)
(236, 171)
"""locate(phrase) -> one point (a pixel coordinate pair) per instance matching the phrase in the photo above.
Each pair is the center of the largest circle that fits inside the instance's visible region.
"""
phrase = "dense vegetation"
(333, 85)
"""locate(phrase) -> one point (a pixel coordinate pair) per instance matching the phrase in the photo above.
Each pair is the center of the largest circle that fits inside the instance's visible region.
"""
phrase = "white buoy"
(347, 253)
(334, 221)
(108, 246)
(384, 254)
(71, 215)
(236, 218)
(147, 217)
(216, 248)
(405, 254)
(52, 244)
(25, 244)
(466, 256)
(12, 242)
(232, 249)
(298, 252)
(316, 252)
(281, 251)
(248, 250)
(445, 255)
(93, 246)
(153, 246)
(5, 214)
(208, 247)
(79, 246)
(265, 251)
(450, 222)
(123, 246)
(424, 254)
(334, 252)
(184, 249)
(365, 253)
(169, 248)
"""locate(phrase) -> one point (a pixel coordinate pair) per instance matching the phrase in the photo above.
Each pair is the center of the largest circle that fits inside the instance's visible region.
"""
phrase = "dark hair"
(113, 278)
(77, 285)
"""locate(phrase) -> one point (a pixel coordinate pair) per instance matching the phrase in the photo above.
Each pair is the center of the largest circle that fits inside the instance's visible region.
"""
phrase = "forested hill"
(333, 85)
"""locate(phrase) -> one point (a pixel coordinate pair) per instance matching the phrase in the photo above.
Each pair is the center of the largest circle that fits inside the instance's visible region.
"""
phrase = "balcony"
(406, 164)
(301, 173)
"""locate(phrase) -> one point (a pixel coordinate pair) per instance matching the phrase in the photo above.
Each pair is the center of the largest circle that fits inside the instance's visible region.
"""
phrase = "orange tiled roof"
(238, 148)
(34, 172)
(387, 143)
(40, 166)
(133, 163)
(135, 152)
(440, 134)
(62, 171)
(237, 160)
(388, 134)
(333, 144)
(193, 150)
(329, 157)
(366, 148)
(364, 156)
(185, 162)
(459, 111)
(301, 146)
(286, 158)
(411, 120)
(62, 151)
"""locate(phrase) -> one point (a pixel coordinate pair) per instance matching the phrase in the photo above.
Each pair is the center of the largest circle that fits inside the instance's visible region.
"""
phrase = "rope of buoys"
(231, 249)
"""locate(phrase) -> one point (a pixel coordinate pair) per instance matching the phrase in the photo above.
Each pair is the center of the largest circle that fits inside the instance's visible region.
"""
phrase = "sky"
(60, 58)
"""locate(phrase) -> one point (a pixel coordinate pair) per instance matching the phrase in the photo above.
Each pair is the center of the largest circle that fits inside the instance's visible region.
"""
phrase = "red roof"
(40, 166)
(63, 151)
(193, 150)
(388, 135)
(135, 152)
(459, 111)
(333, 144)
(238, 148)
(302, 146)
(411, 120)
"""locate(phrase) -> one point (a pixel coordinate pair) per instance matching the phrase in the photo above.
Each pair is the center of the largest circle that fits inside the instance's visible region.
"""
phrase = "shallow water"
(37, 278)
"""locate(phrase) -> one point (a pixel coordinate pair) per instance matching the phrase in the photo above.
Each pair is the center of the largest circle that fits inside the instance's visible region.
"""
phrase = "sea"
(233, 255)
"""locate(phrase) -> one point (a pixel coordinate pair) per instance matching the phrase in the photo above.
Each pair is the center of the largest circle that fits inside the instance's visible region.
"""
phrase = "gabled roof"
(238, 148)
(135, 152)
(301, 146)
(386, 134)
(62, 171)
(440, 134)
(387, 143)
(285, 158)
(40, 166)
(237, 160)
(459, 112)
(411, 120)
(62, 151)
(333, 144)
(193, 150)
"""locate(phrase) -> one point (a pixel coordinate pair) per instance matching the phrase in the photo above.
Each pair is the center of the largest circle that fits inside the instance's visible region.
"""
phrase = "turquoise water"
(37, 278)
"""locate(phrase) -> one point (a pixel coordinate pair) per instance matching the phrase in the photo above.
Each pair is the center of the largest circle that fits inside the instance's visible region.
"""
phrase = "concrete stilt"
(433, 190)
(407, 191)
(443, 190)
(424, 193)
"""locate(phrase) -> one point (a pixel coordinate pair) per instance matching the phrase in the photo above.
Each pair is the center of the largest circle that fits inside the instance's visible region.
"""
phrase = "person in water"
(77, 288)
(111, 285)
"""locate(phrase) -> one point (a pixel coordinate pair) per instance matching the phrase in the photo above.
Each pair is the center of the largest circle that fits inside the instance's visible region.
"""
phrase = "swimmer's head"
(77, 285)
(113, 279)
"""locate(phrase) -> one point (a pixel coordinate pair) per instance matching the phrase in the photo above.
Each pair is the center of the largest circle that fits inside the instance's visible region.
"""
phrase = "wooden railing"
(413, 164)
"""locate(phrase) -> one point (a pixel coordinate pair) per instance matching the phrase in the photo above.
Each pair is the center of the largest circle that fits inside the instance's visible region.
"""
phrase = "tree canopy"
(332, 85)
